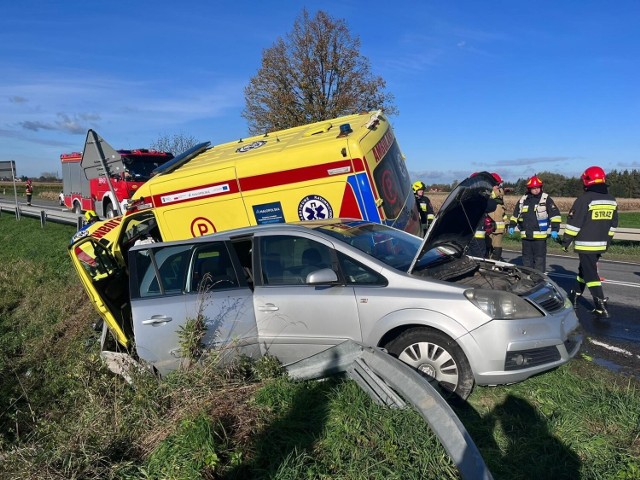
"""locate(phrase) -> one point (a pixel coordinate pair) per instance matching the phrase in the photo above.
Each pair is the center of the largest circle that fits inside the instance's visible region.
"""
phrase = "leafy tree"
(316, 73)
(177, 143)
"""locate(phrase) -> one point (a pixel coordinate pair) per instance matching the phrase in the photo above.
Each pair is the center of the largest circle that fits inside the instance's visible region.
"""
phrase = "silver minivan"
(293, 290)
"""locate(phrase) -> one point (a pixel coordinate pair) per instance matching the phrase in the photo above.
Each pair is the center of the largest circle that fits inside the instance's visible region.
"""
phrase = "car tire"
(109, 211)
(437, 357)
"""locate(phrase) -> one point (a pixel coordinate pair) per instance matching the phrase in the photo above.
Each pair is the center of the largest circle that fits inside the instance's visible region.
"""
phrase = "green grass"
(629, 219)
(63, 415)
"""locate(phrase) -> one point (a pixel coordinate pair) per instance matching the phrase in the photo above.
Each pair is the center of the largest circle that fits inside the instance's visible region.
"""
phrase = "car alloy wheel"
(437, 357)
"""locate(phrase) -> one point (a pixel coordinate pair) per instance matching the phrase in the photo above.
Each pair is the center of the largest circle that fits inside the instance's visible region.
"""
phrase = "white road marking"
(612, 348)
(610, 282)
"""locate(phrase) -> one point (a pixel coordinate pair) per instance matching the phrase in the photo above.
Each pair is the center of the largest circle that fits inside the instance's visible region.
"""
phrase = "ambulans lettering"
(195, 193)
(383, 146)
(202, 226)
(314, 207)
(251, 146)
(106, 228)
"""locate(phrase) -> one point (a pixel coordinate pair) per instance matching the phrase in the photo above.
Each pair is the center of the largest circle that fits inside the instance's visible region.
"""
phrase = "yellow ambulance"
(349, 167)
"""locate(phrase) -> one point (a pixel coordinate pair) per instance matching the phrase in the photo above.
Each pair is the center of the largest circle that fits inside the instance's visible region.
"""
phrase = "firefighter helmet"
(90, 216)
(593, 175)
(534, 182)
(497, 177)
(418, 186)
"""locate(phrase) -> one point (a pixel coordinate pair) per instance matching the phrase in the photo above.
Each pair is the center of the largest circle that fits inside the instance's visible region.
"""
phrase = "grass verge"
(63, 415)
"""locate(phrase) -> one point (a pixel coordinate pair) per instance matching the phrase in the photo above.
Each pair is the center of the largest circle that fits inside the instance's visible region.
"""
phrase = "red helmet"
(534, 182)
(497, 177)
(593, 175)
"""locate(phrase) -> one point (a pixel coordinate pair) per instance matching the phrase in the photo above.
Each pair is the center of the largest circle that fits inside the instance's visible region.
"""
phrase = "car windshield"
(394, 247)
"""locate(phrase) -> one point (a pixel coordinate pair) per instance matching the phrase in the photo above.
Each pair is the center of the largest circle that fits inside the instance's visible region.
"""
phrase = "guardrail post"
(43, 218)
(78, 223)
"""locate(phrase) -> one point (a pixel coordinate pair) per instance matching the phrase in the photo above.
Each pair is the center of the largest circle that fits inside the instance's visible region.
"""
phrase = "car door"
(169, 285)
(296, 319)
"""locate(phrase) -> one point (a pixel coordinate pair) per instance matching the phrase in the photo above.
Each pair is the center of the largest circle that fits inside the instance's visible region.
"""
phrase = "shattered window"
(95, 259)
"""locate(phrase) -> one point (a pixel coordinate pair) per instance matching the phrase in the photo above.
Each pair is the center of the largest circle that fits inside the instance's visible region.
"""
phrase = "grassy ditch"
(63, 415)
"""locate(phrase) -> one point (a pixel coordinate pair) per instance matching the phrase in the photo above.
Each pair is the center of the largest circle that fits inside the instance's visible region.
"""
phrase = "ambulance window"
(392, 181)
(140, 228)
(95, 260)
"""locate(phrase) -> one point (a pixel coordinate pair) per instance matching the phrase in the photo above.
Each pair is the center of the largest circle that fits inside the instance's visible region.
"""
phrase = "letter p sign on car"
(202, 226)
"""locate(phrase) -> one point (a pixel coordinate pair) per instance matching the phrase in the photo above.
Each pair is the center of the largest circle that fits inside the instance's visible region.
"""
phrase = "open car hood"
(457, 220)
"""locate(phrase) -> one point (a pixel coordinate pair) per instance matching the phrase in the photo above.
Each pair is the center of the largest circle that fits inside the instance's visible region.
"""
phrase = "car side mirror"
(324, 275)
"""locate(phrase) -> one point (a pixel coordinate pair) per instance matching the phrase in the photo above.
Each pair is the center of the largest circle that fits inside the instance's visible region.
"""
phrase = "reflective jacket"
(499, 216)
(536, 216)
(592, 221)
(427, 214)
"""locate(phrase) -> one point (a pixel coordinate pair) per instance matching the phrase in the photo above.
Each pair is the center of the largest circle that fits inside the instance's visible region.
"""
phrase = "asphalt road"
(613, 343)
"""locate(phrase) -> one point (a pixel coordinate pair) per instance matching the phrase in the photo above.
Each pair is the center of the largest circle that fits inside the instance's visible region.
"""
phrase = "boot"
(601, 307)
(573, 298)
(497, 254)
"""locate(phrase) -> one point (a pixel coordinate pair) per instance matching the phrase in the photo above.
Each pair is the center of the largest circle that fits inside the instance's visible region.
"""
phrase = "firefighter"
(29, 191)
(536, 216)
(500, 218)
(486, 226)
(90, 217)
(591, 223)
(427, 214)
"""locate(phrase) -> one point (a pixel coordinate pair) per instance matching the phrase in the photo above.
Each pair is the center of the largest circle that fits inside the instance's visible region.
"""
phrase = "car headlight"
(501, 305)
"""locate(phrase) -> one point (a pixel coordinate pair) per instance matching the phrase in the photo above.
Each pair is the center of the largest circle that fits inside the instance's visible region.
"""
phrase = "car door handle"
(156, 319)
(269, 307)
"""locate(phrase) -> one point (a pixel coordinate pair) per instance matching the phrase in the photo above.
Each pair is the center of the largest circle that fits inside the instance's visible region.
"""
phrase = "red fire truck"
(126, 176)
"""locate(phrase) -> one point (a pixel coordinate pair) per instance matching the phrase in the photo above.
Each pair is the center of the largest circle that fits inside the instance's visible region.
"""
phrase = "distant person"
(29, 191)
(427, 214)
(499, 217)
(591, 223)
(61, 198)
(536, 215)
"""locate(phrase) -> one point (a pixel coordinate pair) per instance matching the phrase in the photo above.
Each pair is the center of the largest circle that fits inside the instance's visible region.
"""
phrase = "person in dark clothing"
(591, 224)
(499, 218)
(427, 214)
(486, 226)
(29, 191)
(536, 216)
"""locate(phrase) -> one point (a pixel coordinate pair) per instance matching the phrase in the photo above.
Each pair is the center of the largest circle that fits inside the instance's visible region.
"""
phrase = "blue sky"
(511, 86)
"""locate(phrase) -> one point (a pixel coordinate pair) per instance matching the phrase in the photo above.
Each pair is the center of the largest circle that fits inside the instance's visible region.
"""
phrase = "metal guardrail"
(43, 213)
(388, 381)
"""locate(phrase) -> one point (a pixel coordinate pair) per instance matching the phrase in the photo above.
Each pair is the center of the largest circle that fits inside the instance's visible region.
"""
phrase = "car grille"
(548, 298)
(531, 358)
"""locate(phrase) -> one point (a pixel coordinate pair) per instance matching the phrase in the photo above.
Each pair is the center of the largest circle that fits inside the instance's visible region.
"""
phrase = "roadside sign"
(7, 169)
(97, 159)
(98, 156)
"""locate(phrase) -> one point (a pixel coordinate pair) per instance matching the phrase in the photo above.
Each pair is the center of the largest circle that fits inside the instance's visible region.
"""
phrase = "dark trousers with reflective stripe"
(588, 274)
(534, 254)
